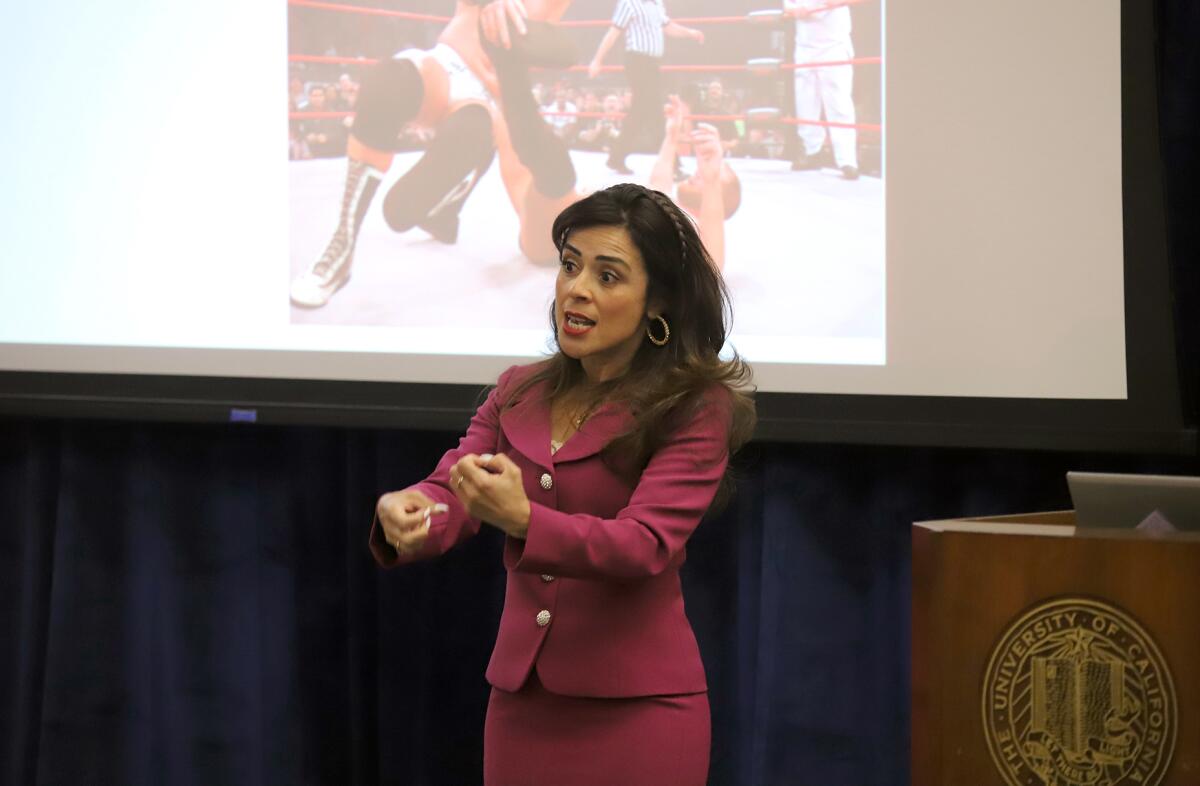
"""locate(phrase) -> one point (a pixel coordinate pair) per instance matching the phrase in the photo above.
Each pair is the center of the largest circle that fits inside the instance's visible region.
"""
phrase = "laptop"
(1112, 501)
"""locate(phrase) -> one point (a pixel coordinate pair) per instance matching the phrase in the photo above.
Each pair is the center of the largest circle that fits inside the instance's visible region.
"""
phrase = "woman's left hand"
(490, 488)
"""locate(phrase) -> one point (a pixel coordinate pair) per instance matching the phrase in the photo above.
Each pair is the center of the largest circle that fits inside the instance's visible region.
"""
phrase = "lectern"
(1044, 654)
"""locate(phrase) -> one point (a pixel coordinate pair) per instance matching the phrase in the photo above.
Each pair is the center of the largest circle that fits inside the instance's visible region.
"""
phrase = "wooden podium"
(1046, 655)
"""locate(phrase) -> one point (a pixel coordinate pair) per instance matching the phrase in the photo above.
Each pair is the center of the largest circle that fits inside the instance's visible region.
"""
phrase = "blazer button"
(546, 577)
(547, 481)
(543, 618)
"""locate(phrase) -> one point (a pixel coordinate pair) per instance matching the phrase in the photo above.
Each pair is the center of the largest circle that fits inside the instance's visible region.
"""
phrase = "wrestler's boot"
(314, 288)
(390, 96)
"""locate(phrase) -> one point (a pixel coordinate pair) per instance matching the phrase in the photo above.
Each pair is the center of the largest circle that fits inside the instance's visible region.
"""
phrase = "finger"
(403, 521)
(517, 14)
(488, 21)
(502, 464)
(399, 511)
(431, 511)
(502, 28)
(464, 461)
(391, 532)
(410, 542)
(473, 475)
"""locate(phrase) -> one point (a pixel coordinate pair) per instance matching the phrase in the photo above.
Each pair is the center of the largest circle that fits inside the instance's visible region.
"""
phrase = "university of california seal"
(1076, 693)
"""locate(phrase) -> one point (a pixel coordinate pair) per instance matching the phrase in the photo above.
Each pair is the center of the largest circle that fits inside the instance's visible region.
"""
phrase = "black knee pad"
(390, 95)
(431, 194)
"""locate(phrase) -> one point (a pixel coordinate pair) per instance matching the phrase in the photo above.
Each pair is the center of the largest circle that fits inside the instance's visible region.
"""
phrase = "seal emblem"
(1076, 693)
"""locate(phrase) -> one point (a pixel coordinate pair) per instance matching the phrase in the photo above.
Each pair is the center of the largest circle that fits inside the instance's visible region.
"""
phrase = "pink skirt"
(537, 738)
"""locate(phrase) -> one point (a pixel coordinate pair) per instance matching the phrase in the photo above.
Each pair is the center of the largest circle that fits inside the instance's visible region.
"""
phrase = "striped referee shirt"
(642, 22)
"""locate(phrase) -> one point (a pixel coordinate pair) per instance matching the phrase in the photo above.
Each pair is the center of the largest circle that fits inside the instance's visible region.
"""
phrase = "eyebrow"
(599, 257)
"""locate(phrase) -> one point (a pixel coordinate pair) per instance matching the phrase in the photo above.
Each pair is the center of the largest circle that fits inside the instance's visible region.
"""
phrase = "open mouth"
(576, 324)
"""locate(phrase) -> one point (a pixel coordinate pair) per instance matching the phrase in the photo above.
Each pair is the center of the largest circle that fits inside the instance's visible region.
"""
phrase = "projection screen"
(919, 202)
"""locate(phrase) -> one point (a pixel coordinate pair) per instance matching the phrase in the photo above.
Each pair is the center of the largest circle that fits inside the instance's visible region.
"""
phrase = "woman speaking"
(598, 464)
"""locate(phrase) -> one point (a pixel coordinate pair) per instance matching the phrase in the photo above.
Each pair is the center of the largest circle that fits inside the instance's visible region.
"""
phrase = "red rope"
(332, 59)
(358, 9)
(618, 115)
(342, 60)
(318, 115)
(691, 20)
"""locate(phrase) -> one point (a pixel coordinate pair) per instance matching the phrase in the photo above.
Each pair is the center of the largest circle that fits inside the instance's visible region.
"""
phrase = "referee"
(643, 23)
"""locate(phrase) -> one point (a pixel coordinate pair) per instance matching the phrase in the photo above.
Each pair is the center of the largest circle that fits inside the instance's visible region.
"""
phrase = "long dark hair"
(664, 385)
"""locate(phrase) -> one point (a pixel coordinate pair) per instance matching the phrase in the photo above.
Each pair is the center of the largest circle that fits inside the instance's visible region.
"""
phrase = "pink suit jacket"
(593, 597)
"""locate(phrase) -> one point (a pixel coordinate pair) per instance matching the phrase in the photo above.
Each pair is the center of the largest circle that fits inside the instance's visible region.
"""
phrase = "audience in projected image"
(570, 106)
(324, 137)
(562, 115)
(602, 130)
(714, 100)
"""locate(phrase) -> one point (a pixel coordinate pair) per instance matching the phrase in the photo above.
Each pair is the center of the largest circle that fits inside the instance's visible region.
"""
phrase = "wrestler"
(536, 166)
(713, 193)
(447, 88)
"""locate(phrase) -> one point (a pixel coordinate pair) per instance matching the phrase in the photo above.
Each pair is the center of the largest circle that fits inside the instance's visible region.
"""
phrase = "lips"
(576, 324)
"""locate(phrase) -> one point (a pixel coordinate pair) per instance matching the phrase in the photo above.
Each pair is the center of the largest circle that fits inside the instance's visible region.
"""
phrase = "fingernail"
(441, 507)
(486, 457)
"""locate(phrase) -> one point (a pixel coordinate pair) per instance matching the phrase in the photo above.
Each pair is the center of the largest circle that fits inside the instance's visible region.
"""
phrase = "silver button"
(546, 577)
(546, 481)
(543, 618)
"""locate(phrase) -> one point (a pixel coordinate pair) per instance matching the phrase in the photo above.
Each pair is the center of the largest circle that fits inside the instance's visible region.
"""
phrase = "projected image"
(431, 145)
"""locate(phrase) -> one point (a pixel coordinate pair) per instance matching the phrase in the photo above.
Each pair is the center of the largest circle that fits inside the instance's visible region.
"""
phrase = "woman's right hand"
(404, 516)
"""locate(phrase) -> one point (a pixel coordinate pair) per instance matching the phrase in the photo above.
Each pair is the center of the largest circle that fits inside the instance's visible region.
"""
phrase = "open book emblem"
(1076, 693)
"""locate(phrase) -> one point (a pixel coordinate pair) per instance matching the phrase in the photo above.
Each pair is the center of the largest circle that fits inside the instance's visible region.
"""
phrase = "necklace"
(576, 422)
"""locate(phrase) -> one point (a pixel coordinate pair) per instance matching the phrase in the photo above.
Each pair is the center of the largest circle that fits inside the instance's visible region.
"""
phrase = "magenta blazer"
(593, 598)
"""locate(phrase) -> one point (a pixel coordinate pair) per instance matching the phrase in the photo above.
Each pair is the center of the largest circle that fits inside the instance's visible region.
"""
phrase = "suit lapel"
(526, 424)
(604, 424)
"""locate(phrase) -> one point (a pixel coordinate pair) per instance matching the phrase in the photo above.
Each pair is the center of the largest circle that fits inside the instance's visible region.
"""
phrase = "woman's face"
(600, 300)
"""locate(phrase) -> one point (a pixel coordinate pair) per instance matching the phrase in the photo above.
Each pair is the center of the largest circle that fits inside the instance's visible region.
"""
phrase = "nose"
(580, 289)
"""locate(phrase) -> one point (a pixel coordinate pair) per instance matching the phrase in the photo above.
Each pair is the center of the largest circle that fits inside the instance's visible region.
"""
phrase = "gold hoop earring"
(659, 342)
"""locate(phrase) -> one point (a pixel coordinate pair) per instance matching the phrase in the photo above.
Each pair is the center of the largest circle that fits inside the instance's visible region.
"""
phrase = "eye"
(568, 265)
(609, 277)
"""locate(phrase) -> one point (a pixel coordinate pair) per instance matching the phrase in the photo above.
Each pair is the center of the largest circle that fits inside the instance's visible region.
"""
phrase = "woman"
(598, 464)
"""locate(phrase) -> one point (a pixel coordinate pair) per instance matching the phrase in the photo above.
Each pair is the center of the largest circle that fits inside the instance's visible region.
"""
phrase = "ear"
(655, 308)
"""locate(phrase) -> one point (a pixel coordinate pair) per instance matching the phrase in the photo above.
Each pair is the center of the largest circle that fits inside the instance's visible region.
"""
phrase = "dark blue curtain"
(196, 605)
